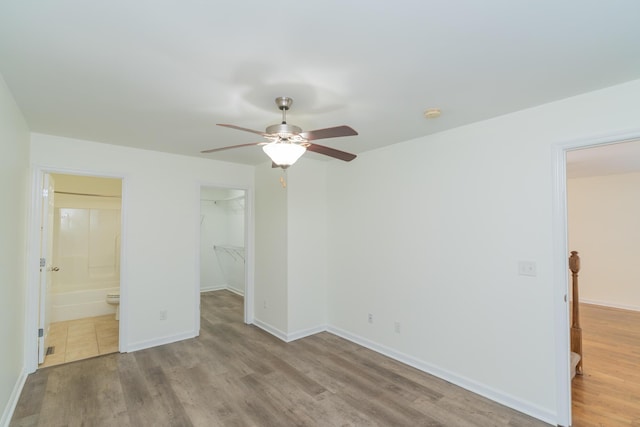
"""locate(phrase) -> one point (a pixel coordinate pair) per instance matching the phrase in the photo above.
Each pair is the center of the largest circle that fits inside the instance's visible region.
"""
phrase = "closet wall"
(222, 226)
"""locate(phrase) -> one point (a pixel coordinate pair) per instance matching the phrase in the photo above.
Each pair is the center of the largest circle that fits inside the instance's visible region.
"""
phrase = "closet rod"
(223, 200)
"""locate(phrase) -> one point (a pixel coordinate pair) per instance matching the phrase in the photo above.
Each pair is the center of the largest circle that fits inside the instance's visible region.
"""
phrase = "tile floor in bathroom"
(81, 339)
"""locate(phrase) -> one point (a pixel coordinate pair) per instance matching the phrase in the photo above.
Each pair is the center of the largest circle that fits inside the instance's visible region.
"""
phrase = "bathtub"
(84, 303)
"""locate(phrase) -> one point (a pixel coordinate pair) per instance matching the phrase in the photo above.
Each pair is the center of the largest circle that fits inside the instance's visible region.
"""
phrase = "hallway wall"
(14, 167)
(604, 215)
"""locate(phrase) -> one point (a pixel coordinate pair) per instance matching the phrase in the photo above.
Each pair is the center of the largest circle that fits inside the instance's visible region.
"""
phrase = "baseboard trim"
(9, 409)
(222, 288)
(285, 336)
(466, 383)
(213, 288)
(270, 329)
(141, 345)
(306, 333)
(609, 304)
(235, 291)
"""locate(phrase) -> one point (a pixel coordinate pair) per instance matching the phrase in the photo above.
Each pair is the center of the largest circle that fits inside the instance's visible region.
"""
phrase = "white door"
(46, 265)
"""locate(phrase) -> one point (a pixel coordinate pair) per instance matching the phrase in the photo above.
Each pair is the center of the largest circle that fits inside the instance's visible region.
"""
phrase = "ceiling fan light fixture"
(284, 154)
(287, 142)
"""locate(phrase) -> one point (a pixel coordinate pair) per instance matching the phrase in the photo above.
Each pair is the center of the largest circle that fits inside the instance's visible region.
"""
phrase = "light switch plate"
(527, 268)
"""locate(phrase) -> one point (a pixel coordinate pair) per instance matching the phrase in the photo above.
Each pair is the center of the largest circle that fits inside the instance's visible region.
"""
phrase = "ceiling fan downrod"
(284, 103)
(284, 130)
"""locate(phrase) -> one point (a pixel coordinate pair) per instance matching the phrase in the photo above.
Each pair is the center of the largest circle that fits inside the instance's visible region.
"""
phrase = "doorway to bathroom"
(222, 244)
(80, 276)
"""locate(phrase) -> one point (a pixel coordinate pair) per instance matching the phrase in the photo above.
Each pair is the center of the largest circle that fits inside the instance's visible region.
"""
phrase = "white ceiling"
(160, 74)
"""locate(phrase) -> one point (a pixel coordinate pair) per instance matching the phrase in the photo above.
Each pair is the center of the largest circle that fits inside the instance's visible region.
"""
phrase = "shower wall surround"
(87, 252)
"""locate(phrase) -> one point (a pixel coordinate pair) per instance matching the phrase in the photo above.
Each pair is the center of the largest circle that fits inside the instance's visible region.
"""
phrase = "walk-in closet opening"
(222, 241)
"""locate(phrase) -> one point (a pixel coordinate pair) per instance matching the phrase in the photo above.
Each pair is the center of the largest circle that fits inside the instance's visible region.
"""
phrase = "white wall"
(161, 220)
(291, 249)
(307, 246)
(271, 303)
(429, 232)
(14, 164)
(604, 227)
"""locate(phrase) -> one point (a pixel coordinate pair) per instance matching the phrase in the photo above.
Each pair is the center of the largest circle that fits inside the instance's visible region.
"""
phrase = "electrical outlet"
(163, 314)
(396, 327)
(370, 318)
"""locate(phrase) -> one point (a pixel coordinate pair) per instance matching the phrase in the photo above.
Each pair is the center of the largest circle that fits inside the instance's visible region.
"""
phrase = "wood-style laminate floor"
(238, 375)
(608, 394)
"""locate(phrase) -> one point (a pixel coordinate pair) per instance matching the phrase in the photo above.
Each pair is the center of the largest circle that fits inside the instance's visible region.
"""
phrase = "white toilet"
(114, 299)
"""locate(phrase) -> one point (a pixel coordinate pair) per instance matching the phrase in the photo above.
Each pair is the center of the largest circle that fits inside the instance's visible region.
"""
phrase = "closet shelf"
(236, 252)
(233, 203)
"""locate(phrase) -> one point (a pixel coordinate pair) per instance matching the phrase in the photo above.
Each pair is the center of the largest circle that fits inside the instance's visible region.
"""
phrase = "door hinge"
(40, 333)
(45, 192)
(43, 262)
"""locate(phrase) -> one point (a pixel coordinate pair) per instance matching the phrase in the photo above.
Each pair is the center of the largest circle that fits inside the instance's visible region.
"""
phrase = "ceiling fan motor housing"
(284, 130)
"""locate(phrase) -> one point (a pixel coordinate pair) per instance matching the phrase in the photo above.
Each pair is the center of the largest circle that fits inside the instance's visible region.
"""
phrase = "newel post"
(576, 331)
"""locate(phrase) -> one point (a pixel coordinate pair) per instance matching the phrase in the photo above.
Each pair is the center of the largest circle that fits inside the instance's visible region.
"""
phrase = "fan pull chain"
(283, 180)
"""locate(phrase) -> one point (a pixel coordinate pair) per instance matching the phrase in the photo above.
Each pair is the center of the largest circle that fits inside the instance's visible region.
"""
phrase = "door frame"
(46, 271)
(561, 260)
(32, 293)
(248, 248)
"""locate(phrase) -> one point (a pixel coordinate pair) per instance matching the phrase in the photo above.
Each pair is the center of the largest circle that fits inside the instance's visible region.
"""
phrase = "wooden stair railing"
(576, 331)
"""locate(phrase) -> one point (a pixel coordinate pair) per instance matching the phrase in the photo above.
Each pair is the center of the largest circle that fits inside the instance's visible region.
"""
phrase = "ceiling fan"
(286, 143)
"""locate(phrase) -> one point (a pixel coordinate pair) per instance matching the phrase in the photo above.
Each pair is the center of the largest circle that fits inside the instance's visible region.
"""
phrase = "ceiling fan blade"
(213, 150)
(244, 129)
(331, 152)
(328, 133)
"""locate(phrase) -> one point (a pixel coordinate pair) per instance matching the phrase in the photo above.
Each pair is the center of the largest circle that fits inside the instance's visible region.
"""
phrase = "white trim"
(306, 333)
(283, 336)
(221, 288)
(32, 293)
(466, 383)
(249, 266)
(33, 255)
(560, 260)
(141, 345)
(270, 329)
(560, 265)
(609, 304)
(214, 288)
(10, 408)
(123, 315)
(235, 291)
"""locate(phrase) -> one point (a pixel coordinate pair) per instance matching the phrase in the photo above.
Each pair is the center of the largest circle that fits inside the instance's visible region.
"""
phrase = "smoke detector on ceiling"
(432, 113)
